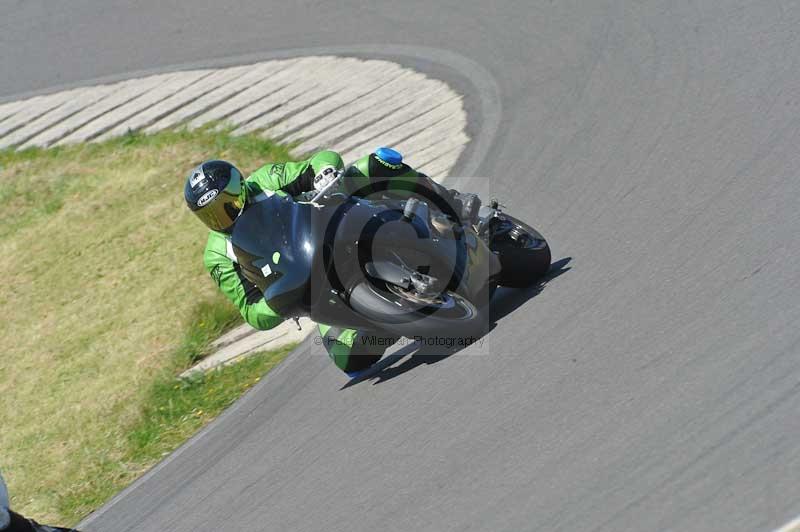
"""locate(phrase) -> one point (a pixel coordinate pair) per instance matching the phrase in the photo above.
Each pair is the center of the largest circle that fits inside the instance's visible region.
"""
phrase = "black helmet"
(215, 192)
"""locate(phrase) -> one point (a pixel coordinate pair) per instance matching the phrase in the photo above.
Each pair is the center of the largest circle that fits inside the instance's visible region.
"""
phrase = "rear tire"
(522, 268)
(524, 260)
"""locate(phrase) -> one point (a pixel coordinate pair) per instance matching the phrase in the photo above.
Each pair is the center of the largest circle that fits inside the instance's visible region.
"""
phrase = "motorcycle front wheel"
(446, 315)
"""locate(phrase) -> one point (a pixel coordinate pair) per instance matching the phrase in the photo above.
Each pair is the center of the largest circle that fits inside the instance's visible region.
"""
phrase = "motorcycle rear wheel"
(523, 252)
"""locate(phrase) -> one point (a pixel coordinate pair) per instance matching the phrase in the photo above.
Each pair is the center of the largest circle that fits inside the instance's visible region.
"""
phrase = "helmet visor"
(219, 209)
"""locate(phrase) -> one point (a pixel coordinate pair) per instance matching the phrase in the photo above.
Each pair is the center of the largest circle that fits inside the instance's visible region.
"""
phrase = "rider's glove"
(325, 177)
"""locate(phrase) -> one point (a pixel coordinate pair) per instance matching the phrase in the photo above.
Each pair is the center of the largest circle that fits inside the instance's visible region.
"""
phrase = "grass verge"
(104, 300)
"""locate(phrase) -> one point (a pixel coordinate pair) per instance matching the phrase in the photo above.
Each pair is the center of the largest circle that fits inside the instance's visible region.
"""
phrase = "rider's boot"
(19, 523)
(352, 351)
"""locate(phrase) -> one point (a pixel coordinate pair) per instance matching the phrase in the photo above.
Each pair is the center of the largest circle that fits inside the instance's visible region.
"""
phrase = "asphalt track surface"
(654, 384)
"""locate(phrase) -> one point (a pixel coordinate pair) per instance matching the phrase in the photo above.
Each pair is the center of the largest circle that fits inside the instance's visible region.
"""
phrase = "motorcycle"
(408, 267)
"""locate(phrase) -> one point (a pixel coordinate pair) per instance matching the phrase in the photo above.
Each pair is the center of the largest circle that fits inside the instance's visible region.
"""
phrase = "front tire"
(449, 315)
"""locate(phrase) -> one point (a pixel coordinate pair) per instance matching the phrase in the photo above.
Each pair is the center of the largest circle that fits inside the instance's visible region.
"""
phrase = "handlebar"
(325, 190)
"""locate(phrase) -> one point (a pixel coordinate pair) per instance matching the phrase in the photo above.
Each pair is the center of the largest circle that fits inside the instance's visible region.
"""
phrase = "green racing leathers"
(350, 350)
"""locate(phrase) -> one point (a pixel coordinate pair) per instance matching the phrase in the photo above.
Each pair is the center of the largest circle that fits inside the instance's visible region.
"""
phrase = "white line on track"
(791, 526)
(240, 79)
(343, 103)
(353, 91)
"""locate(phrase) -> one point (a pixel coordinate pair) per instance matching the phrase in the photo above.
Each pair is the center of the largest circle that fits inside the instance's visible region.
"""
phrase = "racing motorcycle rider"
(217, 193)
